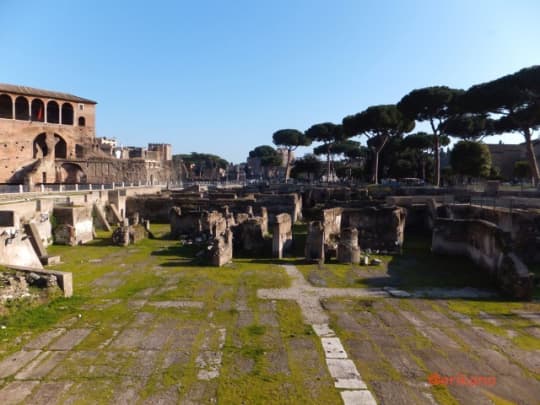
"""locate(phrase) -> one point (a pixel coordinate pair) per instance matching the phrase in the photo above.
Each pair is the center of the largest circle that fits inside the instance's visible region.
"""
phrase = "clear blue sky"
(222, 76)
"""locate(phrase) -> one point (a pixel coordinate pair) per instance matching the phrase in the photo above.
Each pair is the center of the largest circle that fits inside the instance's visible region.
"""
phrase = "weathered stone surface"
(70, 339)
(41, 366)
(488, 246)
(348, 250)
(314, 250)
(379, 228)
(221, 251)
(16, 392)
(44, 339)
(74, 225)
(13, 363)
(281, 235)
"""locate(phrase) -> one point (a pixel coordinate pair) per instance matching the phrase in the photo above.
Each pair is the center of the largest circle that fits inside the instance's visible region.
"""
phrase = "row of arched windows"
(23, 110)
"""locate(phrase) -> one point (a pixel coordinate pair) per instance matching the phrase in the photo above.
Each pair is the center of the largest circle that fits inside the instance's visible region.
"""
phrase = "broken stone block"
(221, 251)
(282, 235)
(314, 250)
(348, 250)
(74, 225)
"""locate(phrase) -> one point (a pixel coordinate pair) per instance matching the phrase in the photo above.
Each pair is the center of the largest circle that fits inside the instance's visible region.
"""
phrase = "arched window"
(53, 112)
(6, 106)
(67, 114)
(82, 121)
(22, 109)
(40, 146)
(60, 149)
(38, 110)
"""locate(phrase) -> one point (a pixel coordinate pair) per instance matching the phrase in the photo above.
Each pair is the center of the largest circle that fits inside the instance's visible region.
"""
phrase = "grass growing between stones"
(416, 267)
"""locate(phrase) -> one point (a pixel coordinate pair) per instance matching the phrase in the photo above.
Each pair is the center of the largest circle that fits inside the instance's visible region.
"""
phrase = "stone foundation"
(489, 247)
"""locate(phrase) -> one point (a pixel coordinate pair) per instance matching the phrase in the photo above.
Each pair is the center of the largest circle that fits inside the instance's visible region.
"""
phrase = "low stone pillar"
(348, 250)
(314, 250)
(281, 235)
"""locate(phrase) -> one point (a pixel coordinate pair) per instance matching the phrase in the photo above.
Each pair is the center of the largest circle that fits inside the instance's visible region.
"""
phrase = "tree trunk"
(375, 176)
(328, 163)
(377, 151)
(437, 177)
(531, 156)
(288, 166)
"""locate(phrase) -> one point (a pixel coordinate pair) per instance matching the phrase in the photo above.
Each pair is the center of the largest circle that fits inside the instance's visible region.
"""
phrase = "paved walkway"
(347, 379)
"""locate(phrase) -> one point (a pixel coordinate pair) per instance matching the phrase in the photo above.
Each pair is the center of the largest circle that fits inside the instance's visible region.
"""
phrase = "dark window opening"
(79, 151)
(38, 110)
(22, 109)
(53, 112)
(40, 146)
(6, 106)
(67, 114)
(82, 121)
(60, 149)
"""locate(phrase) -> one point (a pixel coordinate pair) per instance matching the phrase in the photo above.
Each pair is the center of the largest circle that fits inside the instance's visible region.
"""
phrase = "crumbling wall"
(281, 235)
(489, 247)
(74, 225)
(348, 250)
(379, 228)
(314, 250)
(15, 246)
(196, 224)
(221, 251)
(249, 236)
(523, 225)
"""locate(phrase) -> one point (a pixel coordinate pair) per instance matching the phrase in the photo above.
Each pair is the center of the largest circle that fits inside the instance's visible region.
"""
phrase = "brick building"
(49, 137)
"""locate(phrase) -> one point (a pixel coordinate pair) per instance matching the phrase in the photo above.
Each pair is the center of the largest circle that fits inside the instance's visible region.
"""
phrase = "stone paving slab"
(176, 304)
(16, 392)
(70, 339)
(358, 398)
(44, 339)
(16, 361)
(41, 366)
(333, 349)
(345, 374)
(48, 393)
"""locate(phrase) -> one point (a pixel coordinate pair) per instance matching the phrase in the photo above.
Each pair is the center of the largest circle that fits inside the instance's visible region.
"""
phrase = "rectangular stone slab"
(333, 348)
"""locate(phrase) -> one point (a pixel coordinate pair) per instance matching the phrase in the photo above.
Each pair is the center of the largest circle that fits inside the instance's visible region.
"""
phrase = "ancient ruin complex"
(49, 137)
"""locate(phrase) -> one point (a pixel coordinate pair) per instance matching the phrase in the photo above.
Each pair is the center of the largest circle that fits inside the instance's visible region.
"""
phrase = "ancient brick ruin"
(49, 137)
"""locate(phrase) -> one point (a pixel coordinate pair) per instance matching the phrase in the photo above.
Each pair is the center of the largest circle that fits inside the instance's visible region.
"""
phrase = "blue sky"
(222, 76)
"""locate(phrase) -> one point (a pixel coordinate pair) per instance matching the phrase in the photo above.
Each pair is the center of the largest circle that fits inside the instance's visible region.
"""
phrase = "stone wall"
(379, 228)
(281, 235)
(221, 251)
(74, 225)
(196, 224)
(489, 247)
(522, 225)
(314, 250)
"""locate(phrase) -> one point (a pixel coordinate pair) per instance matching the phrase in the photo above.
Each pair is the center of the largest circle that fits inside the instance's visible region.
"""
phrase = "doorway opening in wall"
(60, 149)
(40, 146)
(44, 177)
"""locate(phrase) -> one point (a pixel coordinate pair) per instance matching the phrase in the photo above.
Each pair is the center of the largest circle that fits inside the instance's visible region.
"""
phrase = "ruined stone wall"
(221, 251)
(379, 228)
(489, 247)
(281, 235)
(15, 246)
(74, 225)
(523, 225)
(331, 219)
(314, 250)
